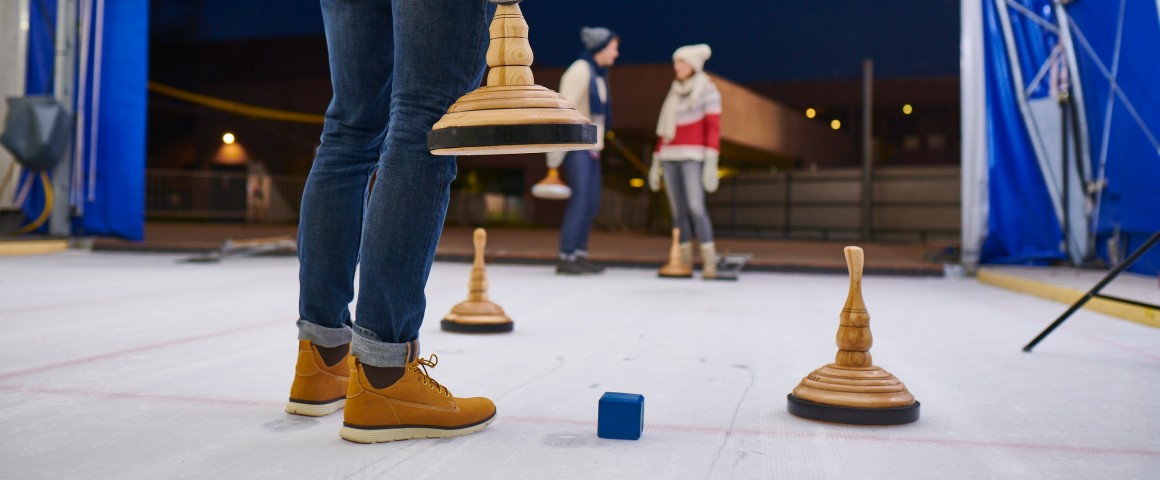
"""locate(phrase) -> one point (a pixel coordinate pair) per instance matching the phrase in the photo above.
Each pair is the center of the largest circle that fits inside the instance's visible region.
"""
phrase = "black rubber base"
(852, 416)
(661, 275)
(496, 135)
(723, 278)
(450, 326)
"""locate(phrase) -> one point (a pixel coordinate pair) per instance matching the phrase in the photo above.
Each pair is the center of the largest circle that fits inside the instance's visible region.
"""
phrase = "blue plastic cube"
(621, 416)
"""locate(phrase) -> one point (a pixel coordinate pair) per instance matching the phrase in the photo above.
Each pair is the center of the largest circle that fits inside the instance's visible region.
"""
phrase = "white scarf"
(682, 94)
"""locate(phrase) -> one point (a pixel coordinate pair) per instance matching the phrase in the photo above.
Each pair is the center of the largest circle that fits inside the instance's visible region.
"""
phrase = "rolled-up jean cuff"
(376, 353)
(323, 336)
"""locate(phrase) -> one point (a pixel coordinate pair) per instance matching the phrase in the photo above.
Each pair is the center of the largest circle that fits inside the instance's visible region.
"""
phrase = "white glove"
(555, 159)
(709, 171)
(654, 176)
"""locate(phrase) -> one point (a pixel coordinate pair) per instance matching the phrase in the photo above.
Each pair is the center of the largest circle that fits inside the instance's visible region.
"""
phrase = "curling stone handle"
(854, 338)
(479, 238)
(855, 259)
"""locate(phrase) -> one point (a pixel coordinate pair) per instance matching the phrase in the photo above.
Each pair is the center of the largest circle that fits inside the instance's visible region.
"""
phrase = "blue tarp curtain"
(1125, 147)
(108, 184)
(1113, 45)
(1022, 226)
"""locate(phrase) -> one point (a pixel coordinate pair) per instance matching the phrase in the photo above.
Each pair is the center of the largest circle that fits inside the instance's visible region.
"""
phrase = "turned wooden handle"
(477, 285)
(854, 338)
(855, 260)
(509, 53)
(479, 238)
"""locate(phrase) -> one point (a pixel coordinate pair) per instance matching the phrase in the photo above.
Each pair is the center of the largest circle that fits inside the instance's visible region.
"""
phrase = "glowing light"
(907, 109)
(835, 124)
(228, 138)
(636, 182)
(811, 113)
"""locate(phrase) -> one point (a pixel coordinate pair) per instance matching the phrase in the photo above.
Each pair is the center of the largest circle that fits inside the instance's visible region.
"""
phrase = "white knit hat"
(694, 55)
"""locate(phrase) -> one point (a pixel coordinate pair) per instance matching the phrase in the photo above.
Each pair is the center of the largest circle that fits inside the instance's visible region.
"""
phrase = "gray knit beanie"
(596, 38)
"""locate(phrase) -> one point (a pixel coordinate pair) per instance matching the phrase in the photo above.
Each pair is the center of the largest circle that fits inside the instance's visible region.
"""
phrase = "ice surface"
(126, 366)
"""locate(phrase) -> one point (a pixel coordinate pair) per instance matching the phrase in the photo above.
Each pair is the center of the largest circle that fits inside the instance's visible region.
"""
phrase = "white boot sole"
(360, 435)
(313, 410)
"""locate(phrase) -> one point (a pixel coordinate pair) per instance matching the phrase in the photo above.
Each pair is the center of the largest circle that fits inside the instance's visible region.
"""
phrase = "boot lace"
(420, 368)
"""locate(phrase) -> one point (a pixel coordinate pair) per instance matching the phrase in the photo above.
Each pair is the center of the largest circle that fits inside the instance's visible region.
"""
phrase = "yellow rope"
(235, 107)
(44, 213)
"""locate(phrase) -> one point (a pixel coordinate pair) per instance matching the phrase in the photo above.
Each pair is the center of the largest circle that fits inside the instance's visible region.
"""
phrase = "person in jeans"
(689, 131)
(395, 67)
(585, 84)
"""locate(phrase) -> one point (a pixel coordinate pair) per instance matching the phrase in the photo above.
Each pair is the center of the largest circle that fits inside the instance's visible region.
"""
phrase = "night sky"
(752, 40)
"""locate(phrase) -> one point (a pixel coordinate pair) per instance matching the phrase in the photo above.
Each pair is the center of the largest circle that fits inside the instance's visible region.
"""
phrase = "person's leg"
(439, 56)
(699, 216)
(578, 173)
(675, 190)
(594, 187)
(695, 201)
(330, 224)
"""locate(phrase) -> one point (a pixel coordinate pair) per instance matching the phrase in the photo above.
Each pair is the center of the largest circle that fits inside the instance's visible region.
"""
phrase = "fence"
(908, 204)
(222, 196)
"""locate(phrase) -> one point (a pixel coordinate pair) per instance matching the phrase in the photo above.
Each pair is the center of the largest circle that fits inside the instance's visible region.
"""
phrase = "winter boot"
(320, 385)
(708, 261)
(413, 406)
(687, 253)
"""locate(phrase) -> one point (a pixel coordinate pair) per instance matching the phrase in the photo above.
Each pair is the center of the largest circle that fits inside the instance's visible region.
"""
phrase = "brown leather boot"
(318, 389)
(415, 406)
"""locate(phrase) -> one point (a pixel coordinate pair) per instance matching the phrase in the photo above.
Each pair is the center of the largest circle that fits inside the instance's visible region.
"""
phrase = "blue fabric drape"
(1022, 227)
(116, 204)
(1131, 201)
(38, 80)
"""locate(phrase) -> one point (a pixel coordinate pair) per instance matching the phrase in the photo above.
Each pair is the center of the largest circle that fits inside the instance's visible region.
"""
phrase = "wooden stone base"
(511, 139)
(852, 416)
(477, 317)
(675, 272)
(511, 119)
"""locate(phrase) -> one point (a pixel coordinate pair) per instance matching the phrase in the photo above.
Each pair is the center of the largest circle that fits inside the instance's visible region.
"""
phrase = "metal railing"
(222, 196)
(907, 204)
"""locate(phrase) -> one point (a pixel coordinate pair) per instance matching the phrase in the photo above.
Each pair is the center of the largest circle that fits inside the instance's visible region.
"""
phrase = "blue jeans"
(582, 171)
(395, 68)
(687, 199)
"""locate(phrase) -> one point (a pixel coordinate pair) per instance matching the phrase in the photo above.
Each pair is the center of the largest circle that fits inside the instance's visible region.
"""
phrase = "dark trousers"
(582, 173)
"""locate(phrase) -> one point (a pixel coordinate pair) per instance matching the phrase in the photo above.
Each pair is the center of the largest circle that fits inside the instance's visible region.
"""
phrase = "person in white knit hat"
(585, 84)
(687, 150)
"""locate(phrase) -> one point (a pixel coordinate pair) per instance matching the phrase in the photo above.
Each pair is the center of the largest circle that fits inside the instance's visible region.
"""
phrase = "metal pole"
(63, 86)
(867, 144)
(1095, 291)
(1063, 110)
(788, 207)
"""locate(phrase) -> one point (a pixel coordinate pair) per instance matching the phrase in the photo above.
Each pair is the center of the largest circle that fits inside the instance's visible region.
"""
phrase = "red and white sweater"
(698, 129)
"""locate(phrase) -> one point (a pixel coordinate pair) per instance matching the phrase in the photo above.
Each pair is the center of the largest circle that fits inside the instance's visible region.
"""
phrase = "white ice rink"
(127, 366)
